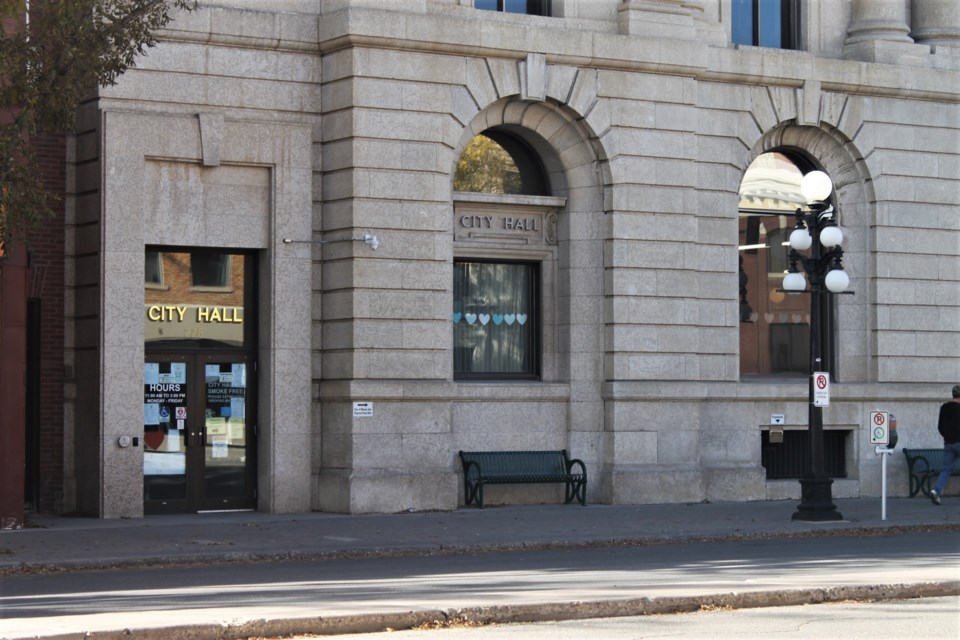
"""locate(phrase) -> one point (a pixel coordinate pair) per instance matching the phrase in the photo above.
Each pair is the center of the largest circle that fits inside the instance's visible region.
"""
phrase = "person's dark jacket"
(949, 422)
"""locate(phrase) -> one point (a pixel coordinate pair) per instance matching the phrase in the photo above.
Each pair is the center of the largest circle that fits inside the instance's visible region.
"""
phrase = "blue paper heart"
(497, 318)
(456, 317)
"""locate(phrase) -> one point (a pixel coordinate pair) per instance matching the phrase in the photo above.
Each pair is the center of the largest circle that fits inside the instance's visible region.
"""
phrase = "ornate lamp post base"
(816, 503)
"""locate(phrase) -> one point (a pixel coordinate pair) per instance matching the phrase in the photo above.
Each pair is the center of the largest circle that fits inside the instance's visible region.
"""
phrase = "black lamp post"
(817, 231)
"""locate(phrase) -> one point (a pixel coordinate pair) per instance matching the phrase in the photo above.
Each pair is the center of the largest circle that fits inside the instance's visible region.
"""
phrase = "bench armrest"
(576, 462)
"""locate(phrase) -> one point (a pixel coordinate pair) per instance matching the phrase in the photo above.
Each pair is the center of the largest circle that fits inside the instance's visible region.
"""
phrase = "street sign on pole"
(821, 389)
(879, 427)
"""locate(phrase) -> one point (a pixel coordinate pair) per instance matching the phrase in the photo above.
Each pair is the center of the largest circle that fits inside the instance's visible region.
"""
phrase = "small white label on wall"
(362, 409)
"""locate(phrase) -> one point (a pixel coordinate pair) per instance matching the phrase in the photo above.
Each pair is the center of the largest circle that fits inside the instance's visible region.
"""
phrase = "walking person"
(949, 427)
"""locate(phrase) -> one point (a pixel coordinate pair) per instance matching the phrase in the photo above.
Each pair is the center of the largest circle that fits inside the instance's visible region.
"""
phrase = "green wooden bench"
(924, 466)
(481, 468)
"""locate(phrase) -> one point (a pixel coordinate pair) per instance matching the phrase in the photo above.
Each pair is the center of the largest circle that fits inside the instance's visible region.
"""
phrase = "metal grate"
(789, 459)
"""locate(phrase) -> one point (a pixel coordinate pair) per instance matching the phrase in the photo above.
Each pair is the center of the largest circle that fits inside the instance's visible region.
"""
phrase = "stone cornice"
(513, 37)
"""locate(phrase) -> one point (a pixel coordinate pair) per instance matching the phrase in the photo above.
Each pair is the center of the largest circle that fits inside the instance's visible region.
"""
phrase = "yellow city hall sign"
(171, 313)
(193, 322)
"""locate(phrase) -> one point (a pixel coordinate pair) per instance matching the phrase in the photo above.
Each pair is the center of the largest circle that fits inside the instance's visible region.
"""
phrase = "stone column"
(879, 20)
(879, 31)
(657, 18)
(936, 22)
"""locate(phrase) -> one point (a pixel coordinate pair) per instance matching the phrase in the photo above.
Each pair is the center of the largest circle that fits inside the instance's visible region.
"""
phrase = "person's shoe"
(934, 497)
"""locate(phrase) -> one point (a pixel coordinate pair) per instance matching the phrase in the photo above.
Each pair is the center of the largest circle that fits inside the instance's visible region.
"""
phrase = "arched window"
(774, 326)
(504, 252)
(498, 162)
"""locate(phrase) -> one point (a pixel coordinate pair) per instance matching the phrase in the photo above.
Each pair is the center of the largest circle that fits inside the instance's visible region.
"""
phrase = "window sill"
(513, 390)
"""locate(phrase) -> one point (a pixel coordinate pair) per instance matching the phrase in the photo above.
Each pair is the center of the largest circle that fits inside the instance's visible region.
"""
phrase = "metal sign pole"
(883, 452)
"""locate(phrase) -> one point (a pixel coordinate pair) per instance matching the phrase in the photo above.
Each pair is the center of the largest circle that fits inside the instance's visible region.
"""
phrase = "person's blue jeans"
(950, 453)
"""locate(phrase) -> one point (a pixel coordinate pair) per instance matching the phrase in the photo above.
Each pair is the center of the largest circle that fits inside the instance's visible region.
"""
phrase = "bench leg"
(473, 493)
(576, 491)
(926, 483)
(914, 484)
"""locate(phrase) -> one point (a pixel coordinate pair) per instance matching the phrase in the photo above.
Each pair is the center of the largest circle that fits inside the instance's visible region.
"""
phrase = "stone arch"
(830, 150)
(578, 171)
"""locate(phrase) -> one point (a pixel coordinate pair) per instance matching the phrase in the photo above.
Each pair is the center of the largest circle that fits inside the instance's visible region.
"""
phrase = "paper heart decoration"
(796, 317)
(768, 317)
(470, 318)
(456, 317)
(153, 439)
(509, 318)
(522, 318)
(498, 319)
(484, 318)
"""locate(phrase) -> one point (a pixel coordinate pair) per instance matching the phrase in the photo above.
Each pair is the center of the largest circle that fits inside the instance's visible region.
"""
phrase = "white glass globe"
(816, 186)
(831, 236)
(794, 282)
(800, 239)
(837, 281)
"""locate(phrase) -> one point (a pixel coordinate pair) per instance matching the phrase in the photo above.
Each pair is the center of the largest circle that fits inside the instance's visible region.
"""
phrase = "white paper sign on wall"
(362, 409)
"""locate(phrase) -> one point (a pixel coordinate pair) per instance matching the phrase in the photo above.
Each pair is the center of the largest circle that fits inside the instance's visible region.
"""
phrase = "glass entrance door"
(198, 433)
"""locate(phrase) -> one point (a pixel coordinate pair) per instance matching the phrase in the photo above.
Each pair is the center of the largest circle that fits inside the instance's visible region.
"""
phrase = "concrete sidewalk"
(53, 543)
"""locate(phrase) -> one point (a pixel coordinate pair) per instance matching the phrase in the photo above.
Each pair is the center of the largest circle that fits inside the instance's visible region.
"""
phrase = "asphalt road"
(506, 586)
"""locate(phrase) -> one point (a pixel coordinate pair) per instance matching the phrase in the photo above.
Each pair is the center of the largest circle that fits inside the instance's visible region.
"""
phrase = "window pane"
(774, 326)
(495, 323)
(531, 7)
(185, 312)
(742, 22)
(765, 23)
(486, 167)
(498, 162)
(771, 23)
(152, 268)
(210, 269)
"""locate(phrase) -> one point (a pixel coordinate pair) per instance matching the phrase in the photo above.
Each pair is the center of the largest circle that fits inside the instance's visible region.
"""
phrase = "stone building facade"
(317, 140)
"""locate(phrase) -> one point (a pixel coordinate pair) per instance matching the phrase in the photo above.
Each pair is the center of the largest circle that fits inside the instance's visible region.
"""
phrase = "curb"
(508, 614)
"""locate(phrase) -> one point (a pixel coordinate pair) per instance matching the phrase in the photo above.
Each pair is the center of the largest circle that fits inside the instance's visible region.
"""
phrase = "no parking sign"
(879, 427)
(821, 389)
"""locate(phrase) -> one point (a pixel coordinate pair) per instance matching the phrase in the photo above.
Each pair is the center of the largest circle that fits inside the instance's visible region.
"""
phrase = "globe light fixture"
(816, 186)
(831, 236)
(794, 282)
(816, 232)
(800, 239)
(837, 280)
